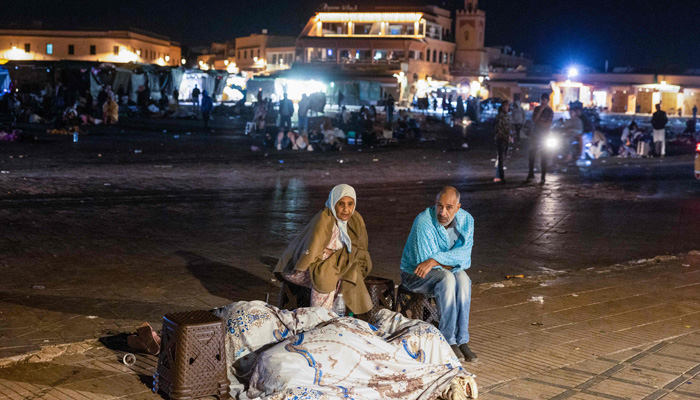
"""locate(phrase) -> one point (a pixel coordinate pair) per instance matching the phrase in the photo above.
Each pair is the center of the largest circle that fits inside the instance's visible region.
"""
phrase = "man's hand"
(423, 268)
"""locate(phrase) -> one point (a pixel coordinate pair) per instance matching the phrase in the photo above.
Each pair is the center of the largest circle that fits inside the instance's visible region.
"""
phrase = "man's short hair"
(446, 189)
(544, 96)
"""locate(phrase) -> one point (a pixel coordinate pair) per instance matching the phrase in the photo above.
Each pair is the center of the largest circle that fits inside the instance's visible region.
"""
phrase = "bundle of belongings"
(311, 353)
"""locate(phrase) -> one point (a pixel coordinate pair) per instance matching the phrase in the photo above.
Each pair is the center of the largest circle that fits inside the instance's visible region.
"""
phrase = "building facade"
(411, 51)
(255, 54)
(98, 46)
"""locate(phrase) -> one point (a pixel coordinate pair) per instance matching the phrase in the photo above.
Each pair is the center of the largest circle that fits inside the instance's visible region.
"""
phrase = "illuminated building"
(99, 46)
(407, 51)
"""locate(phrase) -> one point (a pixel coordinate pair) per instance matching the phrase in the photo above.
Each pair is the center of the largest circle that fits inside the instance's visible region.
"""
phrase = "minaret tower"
(469, 36)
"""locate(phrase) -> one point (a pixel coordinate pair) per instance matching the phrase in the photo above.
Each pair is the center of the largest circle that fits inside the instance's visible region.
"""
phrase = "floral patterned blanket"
(311, 353)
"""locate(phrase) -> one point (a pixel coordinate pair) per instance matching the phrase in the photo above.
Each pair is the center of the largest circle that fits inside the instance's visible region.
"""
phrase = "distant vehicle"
(697, 160)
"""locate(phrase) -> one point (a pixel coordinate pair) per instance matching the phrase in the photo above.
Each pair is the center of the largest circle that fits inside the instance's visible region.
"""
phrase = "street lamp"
(573, 72)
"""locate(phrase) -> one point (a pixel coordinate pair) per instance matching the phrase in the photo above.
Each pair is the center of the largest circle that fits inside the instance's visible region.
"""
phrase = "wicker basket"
(418, 306)
(383, 294)
(192, 361)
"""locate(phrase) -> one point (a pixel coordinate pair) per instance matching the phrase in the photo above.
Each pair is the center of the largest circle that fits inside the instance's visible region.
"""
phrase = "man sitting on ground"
(437, 253)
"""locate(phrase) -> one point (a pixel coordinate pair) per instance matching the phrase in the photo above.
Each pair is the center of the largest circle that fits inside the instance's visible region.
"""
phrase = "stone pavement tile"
(621, 356)
(692, 340)
(585, 396)
(565, 377)
(692, 387)
(666, 363)
(681, 350)
(680, 396)
(593, 366)
(527, 389)
(655, 379)
(621, 389)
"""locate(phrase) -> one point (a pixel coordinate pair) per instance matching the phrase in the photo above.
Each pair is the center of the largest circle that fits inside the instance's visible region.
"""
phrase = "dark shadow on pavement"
(226, 281)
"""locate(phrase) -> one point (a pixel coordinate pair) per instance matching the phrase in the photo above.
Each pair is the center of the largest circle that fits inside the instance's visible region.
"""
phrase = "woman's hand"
(327, 253)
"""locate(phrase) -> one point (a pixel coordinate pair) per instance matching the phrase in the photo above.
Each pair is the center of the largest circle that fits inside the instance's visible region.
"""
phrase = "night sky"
(660, 34)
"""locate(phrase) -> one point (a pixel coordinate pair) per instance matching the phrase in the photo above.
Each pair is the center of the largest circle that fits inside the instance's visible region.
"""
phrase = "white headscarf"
(338, 193)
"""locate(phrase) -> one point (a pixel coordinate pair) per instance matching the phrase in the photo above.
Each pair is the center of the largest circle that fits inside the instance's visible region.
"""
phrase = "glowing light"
(231, 68)
(573, 72)
(16, 54)
(295, 88)
(225, 62)
(201, 62)
(481, 79)
(138, 52)
(663, 82)
(183, 61)
(167, 58)
(552, 142)
(369, 17)
(474, 88)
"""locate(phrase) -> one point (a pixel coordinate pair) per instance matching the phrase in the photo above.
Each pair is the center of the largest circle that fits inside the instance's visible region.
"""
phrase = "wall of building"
(107, 46)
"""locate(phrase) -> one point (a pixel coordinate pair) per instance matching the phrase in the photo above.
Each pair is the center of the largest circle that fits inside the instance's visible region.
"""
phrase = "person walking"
(195, 98)
(502, 139)
(517, 116)
(542, 120)
(658, 122)
(207, 106)
(695, 112)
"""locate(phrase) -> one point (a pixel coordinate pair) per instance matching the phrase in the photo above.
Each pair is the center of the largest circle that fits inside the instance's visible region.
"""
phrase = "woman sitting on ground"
(330, 250)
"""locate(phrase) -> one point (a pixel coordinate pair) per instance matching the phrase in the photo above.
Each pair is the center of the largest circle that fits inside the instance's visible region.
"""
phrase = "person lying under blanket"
(311, 353)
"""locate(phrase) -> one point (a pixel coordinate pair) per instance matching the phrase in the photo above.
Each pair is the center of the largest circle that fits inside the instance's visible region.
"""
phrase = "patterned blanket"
(311, 353)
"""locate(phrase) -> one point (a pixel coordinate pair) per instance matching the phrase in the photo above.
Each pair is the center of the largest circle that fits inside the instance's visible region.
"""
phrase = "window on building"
(274, 59)
(427, 55)
(380, 55)
(344, 55)
(71, 49)
(49, 48)
(115, 49)
(440, 58)
(93, 49)
(258, 53)
(362, 29)
(239, 55)
(27, 47)
(363, 55)
(334, 28)
(401, 29)
(434, 55)
(452, 58)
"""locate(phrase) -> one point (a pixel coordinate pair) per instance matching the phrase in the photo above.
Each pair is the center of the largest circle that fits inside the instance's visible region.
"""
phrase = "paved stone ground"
(98, 238)
(629, 331)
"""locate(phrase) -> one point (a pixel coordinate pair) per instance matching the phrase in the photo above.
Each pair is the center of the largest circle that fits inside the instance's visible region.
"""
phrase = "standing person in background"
(658, 122)
(207, 106)
(176, 99)
(303, 111)
(341, 99)
(542, 120)
(101, 98)
(195, 98)
(517, 118)
(390, 109)
(502, 139)
(286, 111)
